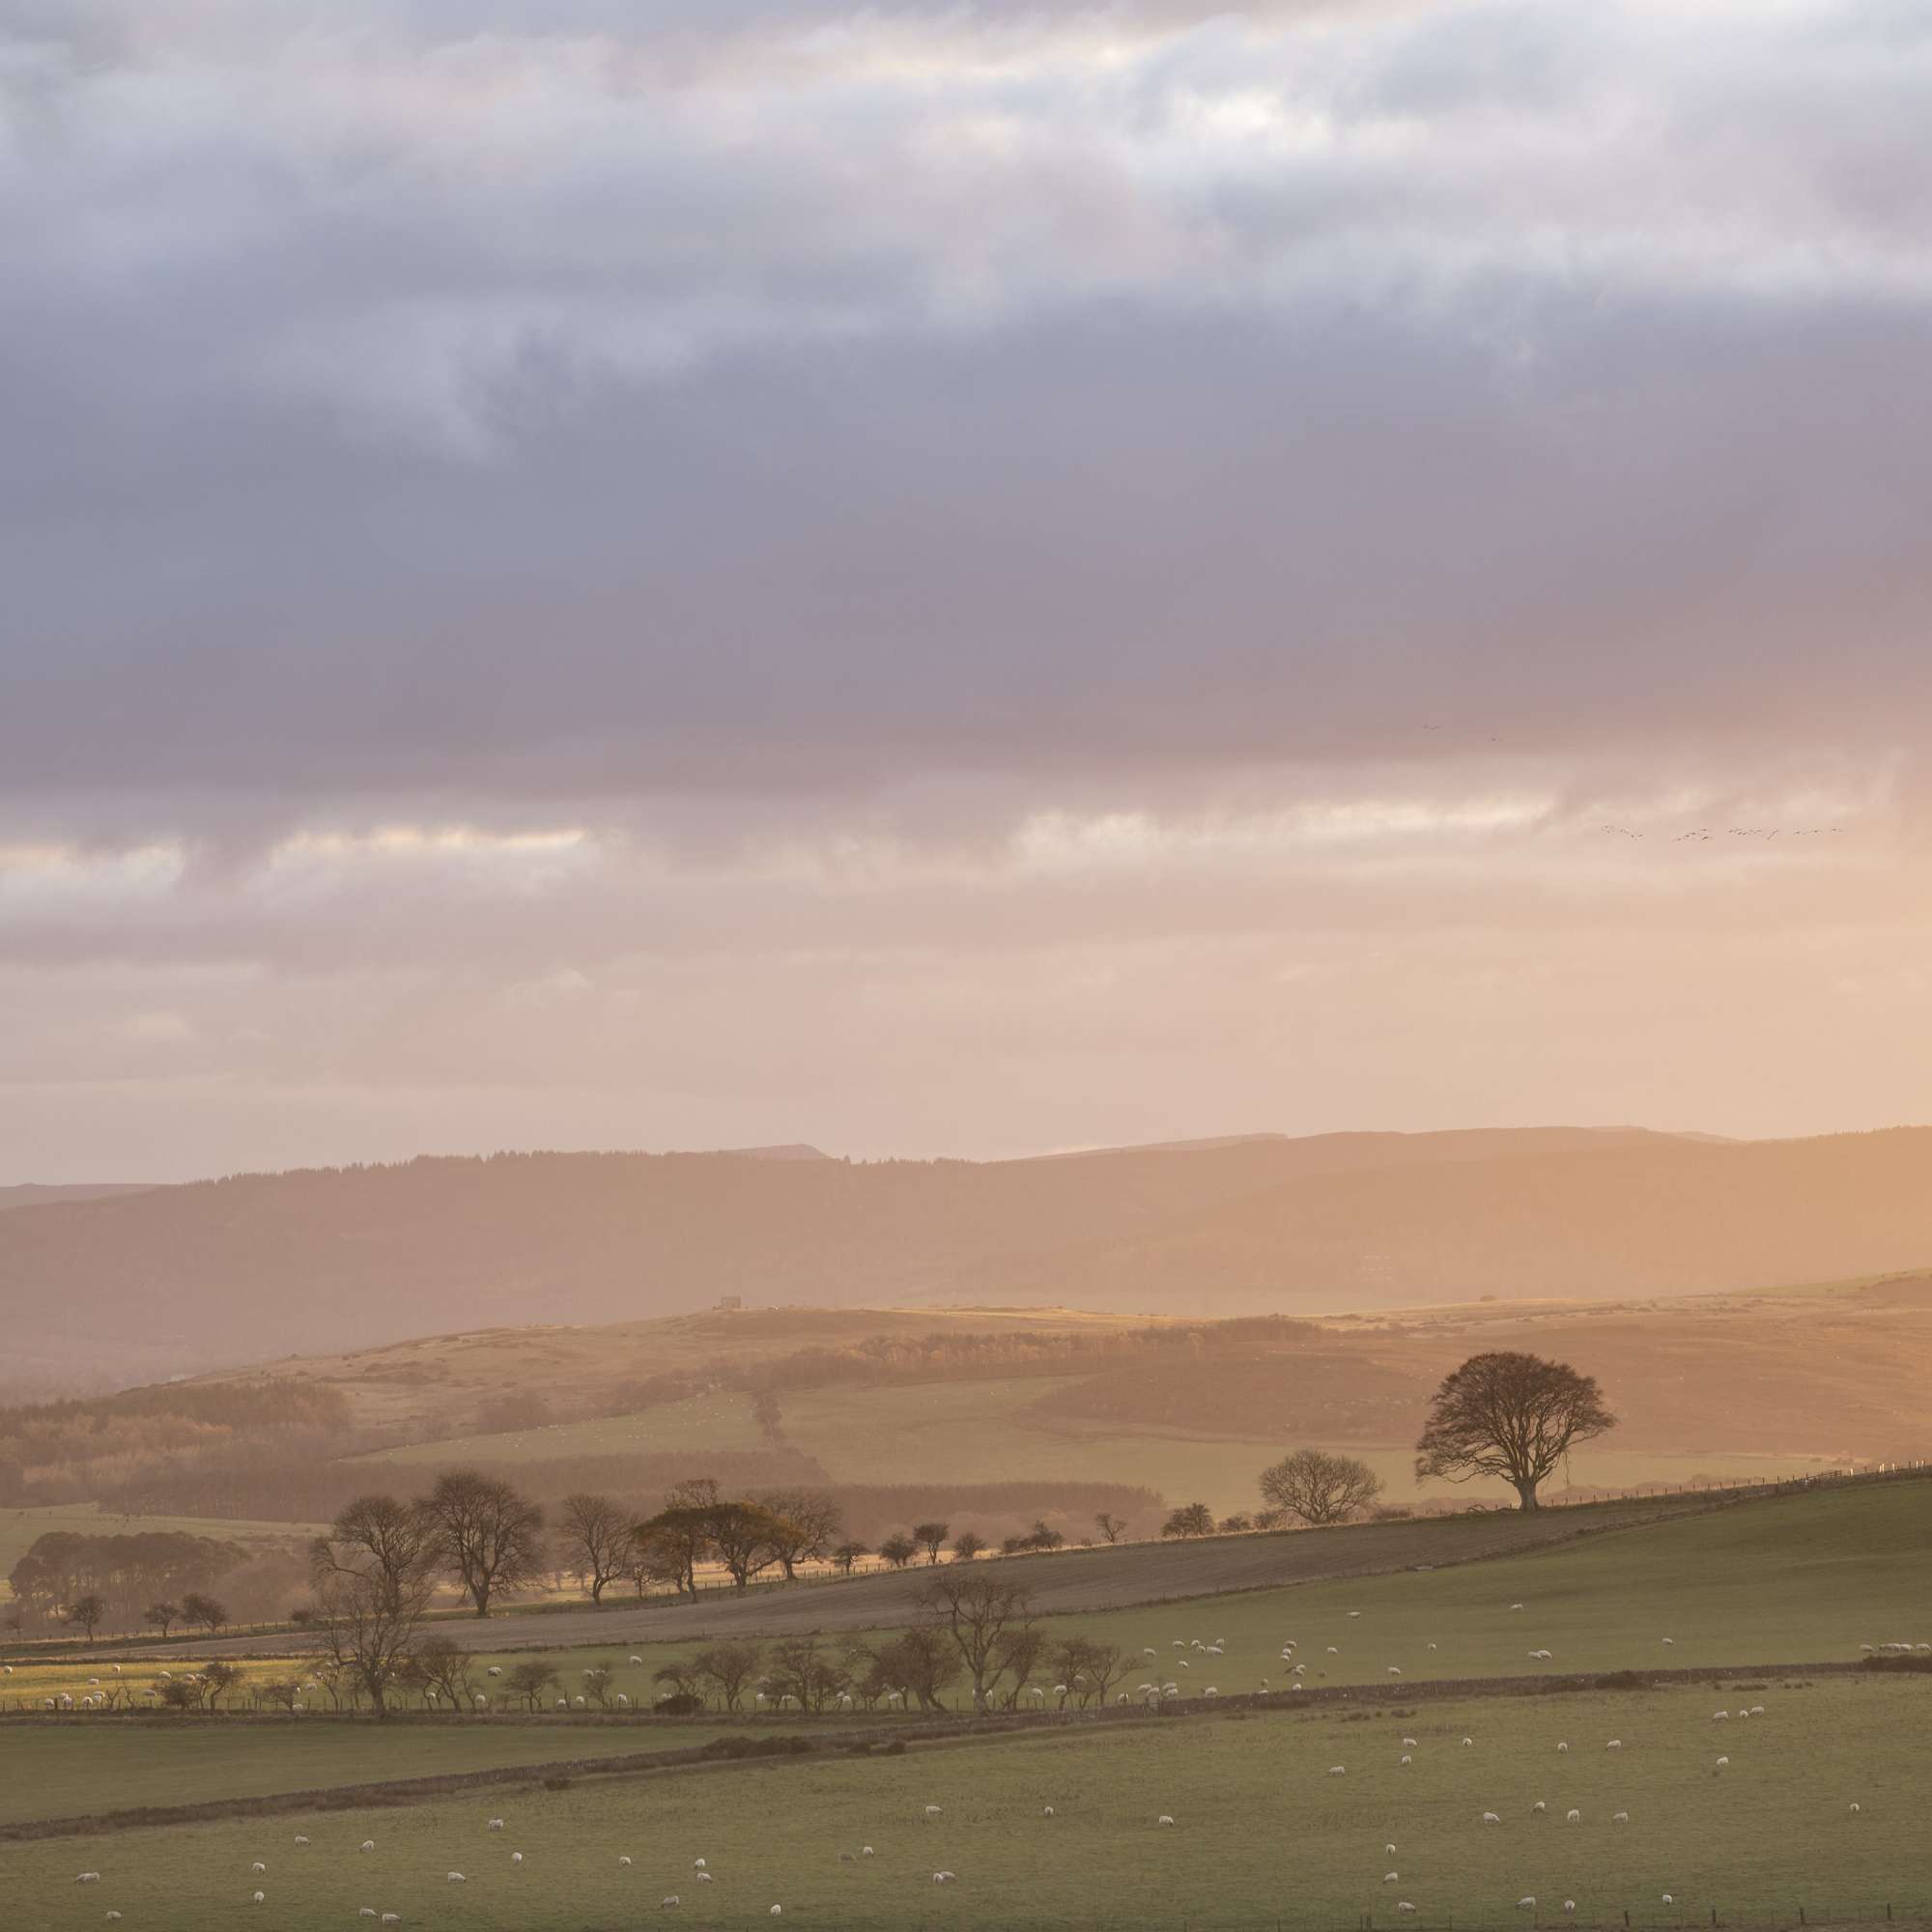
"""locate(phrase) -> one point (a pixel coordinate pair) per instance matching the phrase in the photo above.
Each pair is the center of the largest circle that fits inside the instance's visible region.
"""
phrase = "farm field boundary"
(806, 1742)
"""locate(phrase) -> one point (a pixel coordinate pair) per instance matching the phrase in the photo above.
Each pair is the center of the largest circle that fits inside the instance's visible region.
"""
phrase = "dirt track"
(1082, 1580)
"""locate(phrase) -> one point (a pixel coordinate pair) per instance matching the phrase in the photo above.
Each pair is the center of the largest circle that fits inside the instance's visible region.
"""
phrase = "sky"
(958, 578)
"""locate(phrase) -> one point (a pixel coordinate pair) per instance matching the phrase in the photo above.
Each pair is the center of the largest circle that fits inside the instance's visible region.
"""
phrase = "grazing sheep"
(1757, 1710)
(932, 1810)
(1491, 1818)
(1390, 1850)
(698, 1864)
(1407, 1759)
(1615, 1743)
(670, 1898)
(1403, 1905)
(1855, 1808)
(864, 1850)
(1164, 1819)
(1527, 1903)
(258, 1866)
(1669, 1901)
(1723, 1762)
(1573, 1817)
(1569, 1905)
(1515, 1607)
(87, 1877)
(1620, 1817)
(1468, 1740)
(778, 1912)
(367, 1845)
(454, 1877)
(1391, 1878)
(1563, 1747)
(261, 1897)
(1719, 1717)
(494, 1825)
(1047, 1812)
(1670, 1639)
(1338, 1770)
(704, 1878)
(299, 1840)
(1395, 1670)
(636, 1659)
(1539, 1806)
(516, 1857)
(1409, 1744)
(943, 1878)
(496, 1670)
(622, 1860)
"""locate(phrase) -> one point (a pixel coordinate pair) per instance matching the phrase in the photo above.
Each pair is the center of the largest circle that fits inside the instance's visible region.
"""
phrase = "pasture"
(70, 1769)
(1262, 1833)
(1009, 1430)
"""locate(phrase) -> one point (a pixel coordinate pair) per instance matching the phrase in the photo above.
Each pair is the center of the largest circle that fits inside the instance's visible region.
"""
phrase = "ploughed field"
(1265, 1830)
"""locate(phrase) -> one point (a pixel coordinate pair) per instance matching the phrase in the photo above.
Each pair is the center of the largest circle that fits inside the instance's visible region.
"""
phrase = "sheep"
(1527, 1903)
(87, 1877)
(494, 1825)
(1670, 1639)
(1338, 1770)
(944, 1877)
(1573, 1816)
(698, 1864)
(1669, 1901)
(1757, 1710)
(1543, 1655)
(1491, 1818)
(864, 1850)
(1562, 1745)
(299, 1840)
(496, 1670)
(1409, 1744)
(1395, 1670)
(1569, 1905)
(1468, 1740)
(258, 1866)
(1333, 1651)
(932, 1810)
(1391, 1878)
(778, 1912)
(367, 1845)
(1723, 1763)
(454, 1877)
(670, 1898)
(1515, 1607)
(1855, 1807)
(1165, 1818)
(1389, 1850)
(1719, 1717)
(1615, 1743)
(516, 1857)
(1620, 1817)
(1046, 1811)
(261, 1898)
(636, 1659)
(1539, 1806)
(622, 1860)
(1403, 1905)
(1405, 1758)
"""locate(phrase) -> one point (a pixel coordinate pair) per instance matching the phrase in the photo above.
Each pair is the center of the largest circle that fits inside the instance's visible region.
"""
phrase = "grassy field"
(72, 1769)
(1263, 1833)
(1003, 1430)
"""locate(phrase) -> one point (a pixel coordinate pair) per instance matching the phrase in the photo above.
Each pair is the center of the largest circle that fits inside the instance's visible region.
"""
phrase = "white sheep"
(1569, 1905)
(1468, 1740)
(454, 1877)
(1391, 1878)
(1395, 1670)
(622, 1860)
(1403, 1905)
(494, 1825)
(1620, 1817)
(778, 1912)
(1165, 1818)
(1573, 1817)
(1409, 1744)
(670, 1898)
(1491, 1818)
(636, 1659)
(1389, 1850)
(496, 1670)
(932, 1810)
(704, 1878)
(1615, 1743)
(87, 1877)
(367, 1845)
(1047, 1811)
(698, 1864)
(299, 1840)
(516, 1857)
(1855, 1807)
(1527, 1903)
(1669, 1901)
(864, 1850)
(1338, 1770)
(1405, 1758)
(261, 1897)
(943, 1877)
(1723, 1762)
(258, 1866)
(1563, 1747)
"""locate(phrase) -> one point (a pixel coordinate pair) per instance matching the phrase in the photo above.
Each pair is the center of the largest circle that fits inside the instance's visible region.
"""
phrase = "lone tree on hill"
(1320, 1487)
(1509, 1416)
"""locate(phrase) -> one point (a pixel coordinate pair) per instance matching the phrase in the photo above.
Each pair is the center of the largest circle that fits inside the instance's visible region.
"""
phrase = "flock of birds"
(1704, 833)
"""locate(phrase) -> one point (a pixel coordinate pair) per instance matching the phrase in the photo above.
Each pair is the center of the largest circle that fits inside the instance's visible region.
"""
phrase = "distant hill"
(233, 1270)
(29, 1196)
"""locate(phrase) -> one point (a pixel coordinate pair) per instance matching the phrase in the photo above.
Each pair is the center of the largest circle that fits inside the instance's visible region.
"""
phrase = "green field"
(1262, 1832)
(996, 1431)
(72, 1769)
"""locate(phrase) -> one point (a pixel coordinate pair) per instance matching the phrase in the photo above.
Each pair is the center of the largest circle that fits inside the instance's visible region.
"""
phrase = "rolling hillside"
(231, 1270)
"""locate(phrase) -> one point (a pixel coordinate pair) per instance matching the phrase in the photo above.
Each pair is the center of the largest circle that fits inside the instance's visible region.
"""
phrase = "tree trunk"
(1525, 1488)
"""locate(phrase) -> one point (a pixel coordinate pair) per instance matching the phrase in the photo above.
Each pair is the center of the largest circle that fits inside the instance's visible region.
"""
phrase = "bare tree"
(1019, 1652)
(373, 1575)
(847, 1554)
(210, 1612)
(967, 1545)
(531, 1680)
(164, 1616)
(1190, 1520)
(86, 1613)
(898, 1549)
(1318, 1488)
(490, 1536)
(802, 1670)
(1110, 1526)
(807, 1520)
(978, 1613)
(917, 1666)
(448, 1669)
(729, 1667)
(1510, 1415)
(931, 1537)
(595, 1540)
(744, 1538)
(214, 1677)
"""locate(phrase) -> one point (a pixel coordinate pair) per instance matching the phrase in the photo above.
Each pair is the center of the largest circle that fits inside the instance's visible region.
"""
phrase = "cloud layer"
(955, 578)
